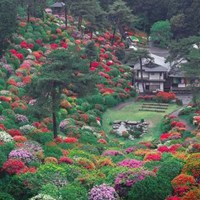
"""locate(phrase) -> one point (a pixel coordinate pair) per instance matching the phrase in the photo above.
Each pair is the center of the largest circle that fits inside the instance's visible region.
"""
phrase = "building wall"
(156, 76)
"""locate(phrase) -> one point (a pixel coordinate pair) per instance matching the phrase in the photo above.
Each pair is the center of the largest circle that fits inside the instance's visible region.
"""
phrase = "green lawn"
(131, 112)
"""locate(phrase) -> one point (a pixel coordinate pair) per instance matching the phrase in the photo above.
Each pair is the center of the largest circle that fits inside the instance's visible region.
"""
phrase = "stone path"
(122, 105)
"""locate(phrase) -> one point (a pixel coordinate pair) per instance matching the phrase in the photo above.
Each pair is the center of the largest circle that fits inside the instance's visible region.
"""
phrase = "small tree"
(63, 69)
(161, 33)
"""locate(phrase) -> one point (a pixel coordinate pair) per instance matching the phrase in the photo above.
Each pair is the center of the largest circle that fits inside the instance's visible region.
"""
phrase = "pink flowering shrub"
(125, 180)
(130, 163)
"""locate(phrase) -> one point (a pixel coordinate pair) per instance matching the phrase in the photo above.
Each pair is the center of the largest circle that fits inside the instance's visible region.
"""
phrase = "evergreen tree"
(8, 13)
(161, 33)
(63, 69)
(120, 15)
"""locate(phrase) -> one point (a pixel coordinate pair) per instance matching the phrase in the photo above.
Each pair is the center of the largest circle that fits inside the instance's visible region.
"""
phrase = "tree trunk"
(113, 36)
(55, 132)
(66, 14)
(28, 13)
(91, 35)
(80, 18)
(141, 71)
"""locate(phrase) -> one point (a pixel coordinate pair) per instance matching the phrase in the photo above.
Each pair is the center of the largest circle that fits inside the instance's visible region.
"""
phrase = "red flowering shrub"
(170, 136)
(6, 99)
(2, 127)
(163, 149)
(153, 156)
(84, 117)
(102, 141)
(66, 160)
(165, 96)
(70, 140)
(14, 132)
(13, 166)
(54, 46)
(173, 198)
(178, 124)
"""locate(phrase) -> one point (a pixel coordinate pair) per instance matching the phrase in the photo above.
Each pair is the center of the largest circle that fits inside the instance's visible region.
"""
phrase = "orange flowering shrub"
(86, 163)
(20, 138)
(105, 162)
(180, 155)
(141, 152)
(182, 183)
(193, 194)
(50, 160)
(192, 166)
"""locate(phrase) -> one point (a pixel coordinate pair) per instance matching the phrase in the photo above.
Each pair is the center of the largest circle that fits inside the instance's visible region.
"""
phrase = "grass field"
(131, 112)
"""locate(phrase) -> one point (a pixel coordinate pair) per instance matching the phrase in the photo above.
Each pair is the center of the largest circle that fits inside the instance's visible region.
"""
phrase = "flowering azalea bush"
(182, 183)
(13, 166)
(112, 153)
(165, 96)
(154, 156)
(5, 137)
(23, 155)
(103, 191)
(127, 179)
(192, 166)
(130, 163)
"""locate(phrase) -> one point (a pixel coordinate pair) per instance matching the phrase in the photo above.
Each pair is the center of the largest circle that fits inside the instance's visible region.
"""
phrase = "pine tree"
(63, 69)
(120, 15)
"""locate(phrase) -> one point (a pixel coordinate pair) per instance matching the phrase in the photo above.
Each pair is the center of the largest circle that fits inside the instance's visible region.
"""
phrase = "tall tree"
(120, 15)
(86, 9)
(63, 69)
(161, 33)
(137, 56)
(8, 13)
(186, 53)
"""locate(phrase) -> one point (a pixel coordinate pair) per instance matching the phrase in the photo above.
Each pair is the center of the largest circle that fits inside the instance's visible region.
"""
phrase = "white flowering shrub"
(5, 137)
(42, 197)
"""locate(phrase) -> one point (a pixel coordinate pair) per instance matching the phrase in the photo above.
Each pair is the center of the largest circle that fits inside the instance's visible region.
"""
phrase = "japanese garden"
(99, 100)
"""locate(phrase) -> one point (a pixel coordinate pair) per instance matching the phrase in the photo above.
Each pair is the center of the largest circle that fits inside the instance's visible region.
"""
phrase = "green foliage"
(50, 189)
(74, 191)
(161, 33)
(43, 137)
(154, 187)
(120, 53)
(18, 189)
(87, 137)
(6, 196)
(169, 169)
(110, 101)
(91, 51)
(52, 151)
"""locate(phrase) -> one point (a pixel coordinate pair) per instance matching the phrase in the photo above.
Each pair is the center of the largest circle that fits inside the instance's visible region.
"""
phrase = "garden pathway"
(186, 99)
(122, 105)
